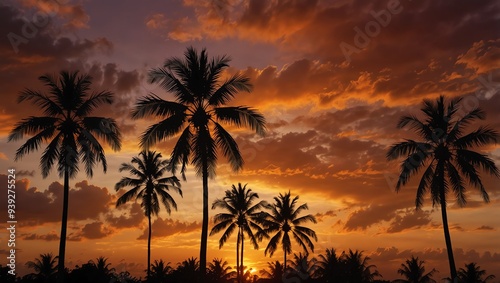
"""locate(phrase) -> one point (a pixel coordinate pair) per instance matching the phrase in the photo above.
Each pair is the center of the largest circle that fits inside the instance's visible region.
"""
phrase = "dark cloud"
(485, 228)
(133, 216)
(95, 230)
(365, 217)
(44, 237)
(409, 219)
(168, 227)
(321, 216)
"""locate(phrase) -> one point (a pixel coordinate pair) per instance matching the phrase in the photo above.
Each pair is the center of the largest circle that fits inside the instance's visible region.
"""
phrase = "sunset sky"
(332, 79)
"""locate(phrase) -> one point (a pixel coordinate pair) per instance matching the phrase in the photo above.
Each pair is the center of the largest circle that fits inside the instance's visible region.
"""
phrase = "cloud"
(39, 207)
(364, 218)
(25, 173)
(45, 237)
(167, 227)
(95, 230)
(408, 219)
(132, 217)
(3, 156)
(320, 217)
(485, 228)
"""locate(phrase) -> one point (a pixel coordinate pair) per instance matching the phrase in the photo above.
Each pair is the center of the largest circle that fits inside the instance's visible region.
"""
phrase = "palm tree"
(159, 271)
(45, 267)
(242, 214)
(302, 267)
(276, 271)
(330, 267)
(414, 272)
(102, 269)
(71, 134)
(150, 186)
(196, 114)
(284, 219)
(357, 267)
(445, 151)
(187, 270)
(219, 271)
(473, 274)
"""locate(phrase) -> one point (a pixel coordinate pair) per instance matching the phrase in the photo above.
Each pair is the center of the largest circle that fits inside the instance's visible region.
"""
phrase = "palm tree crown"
(71, 134)
(197, 114)
(473, 274)
(446, 152)
(284, 220)
(414, 272)
(150, 186)
(45, 267)
(243, 215)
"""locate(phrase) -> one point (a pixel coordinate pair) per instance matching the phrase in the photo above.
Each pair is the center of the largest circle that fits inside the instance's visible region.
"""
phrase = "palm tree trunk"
(64, 223)
(238, 277)
(447, 238)
(204, 225)
(284, 263)
(149, 248)
(241, 254)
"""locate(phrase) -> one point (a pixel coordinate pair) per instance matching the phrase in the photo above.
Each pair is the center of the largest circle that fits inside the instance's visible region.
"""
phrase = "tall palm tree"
(197, 114)
(414, 272)
(45, 267)
(446, 152)
(284, 220)
(473, 274)
(71, 134)
(150, 186)
(242, 214)
(357, 267)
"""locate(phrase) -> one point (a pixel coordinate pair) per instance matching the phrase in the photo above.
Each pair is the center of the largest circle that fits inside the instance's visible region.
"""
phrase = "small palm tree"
(302, 267)
(150, 186)
(45, 267)
(160, 271)
(473, 274)
(198, 114)
(446, 152)
(71, 134)
(243, 215)
(330, 267)
(187, 270)
(284, 220)
(219, 271)
(414, 272)
(276, 271)
(357, 267)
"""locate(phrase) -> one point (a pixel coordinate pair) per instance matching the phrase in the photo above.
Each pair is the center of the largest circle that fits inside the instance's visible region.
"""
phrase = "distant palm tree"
(445, 151)
(414, 272)
(276, 271)
(187, 270)
(473, 274)
(219, 271)
(357, 267)
(72, 135)
(197, 114)
(150, 186)
(283, 220)
(330, 267)
(302, 267)
(243, 215)
(160, 271)
(45, 267)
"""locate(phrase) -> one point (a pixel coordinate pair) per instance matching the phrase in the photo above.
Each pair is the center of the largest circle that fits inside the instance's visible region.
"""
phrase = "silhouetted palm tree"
(45, 268)
(150, 186)
(219, 271)
(72, 135)
(357, 268)
(275, 273)
(330, 267)
(473, 274)
(302, 268)
(414, 272)
(445, 151)
(283, 220)
(160, 271)
(196, 114)
(187, 270)
(243, 215)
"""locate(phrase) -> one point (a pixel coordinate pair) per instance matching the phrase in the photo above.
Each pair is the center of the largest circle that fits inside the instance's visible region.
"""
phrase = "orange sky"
(331, 115)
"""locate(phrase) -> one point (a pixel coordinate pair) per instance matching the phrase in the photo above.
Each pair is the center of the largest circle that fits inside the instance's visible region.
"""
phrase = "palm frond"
(93, 101)
(229, 147)
(152, 105)
(161, 130)
(242, 116)
(229, 88)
